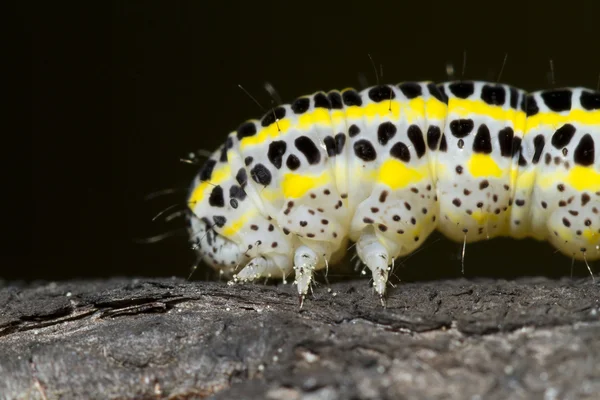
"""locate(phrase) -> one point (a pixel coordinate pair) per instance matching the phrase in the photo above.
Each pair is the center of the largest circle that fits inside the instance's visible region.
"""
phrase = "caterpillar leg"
(375, 255)
(306, 262)
(270, 266)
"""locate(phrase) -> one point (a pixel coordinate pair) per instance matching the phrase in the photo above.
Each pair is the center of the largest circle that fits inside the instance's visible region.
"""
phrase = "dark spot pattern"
(584, 152)
(590, 100)
(340, 141)
(219, 220)
(329, 146)
(216, 198)
(531, 106)
(410, 90)
(585, 198)
(461, 128)
(276, 151)
(433, 137)
(261, 175)
(321, 101)
(273, 115)
(516, 146)
(236, 192)
(401, 152)
(241, 177)
(351, 98)
(437, 92)
(483, 140)
(301, 105)
(538, 143)
(563, 135)
(246, 130)
(353, 130)
(415, 135)
(292, 162)
(383, 196)
(381, 93)
(462, 90)
(442, 90)
(443, 144)
(207, 170)
(558, 100)
(505, 140)
(493, 95)
(522, 161)
(514, 98)
(335, 100)
(248, 160)
(365, 150)
(309, 149)
(385, 132)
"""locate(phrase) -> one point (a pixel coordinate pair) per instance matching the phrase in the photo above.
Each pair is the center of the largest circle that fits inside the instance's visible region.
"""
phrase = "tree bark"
(171, 339)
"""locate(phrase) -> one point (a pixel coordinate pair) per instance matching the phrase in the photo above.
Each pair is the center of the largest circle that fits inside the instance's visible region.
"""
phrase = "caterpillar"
(386, 166)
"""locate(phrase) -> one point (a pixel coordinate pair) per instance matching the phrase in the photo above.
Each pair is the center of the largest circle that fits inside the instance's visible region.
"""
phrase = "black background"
(121, 91)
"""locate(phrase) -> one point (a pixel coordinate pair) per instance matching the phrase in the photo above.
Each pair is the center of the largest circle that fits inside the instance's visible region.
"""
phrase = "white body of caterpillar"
(386, 166)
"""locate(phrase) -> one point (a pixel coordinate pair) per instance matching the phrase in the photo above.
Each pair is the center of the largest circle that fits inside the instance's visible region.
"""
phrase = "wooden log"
(171, 339)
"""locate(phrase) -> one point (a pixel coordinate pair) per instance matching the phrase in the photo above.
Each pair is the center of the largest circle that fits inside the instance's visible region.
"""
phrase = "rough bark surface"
(167, 338)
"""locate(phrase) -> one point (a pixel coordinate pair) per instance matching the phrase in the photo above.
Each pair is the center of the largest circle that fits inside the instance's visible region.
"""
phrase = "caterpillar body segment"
(386, 166)
(562, 149)
(478, 160)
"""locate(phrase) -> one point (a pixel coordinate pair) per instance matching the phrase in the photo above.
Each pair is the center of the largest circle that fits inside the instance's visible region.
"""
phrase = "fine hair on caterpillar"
(386, 166)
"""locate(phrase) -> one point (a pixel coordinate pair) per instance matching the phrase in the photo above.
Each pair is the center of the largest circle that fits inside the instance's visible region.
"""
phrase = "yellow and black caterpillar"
(386, 166)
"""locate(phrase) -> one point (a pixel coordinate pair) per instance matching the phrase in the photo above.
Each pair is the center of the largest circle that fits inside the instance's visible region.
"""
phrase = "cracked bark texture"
(171, 339)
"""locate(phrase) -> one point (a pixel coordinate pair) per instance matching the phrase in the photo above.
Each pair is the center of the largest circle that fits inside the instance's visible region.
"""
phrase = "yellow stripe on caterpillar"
(295, 186)
(218, 176)
(555, 120)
